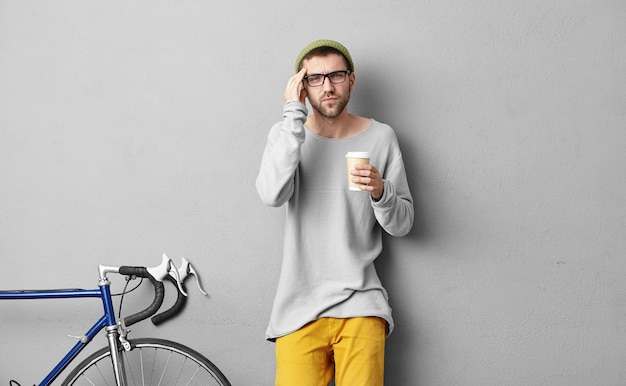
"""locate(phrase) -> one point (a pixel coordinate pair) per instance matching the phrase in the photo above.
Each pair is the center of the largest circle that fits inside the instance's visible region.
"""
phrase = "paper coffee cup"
(353, 158)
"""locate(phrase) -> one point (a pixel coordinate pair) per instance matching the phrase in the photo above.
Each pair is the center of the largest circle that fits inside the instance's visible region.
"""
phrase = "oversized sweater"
(332, 234)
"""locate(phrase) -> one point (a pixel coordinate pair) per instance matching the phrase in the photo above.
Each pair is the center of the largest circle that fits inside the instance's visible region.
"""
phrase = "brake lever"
(166, 267)
(187, 269)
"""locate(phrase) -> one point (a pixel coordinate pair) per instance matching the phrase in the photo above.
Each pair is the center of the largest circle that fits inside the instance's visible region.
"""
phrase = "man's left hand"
(369, 179)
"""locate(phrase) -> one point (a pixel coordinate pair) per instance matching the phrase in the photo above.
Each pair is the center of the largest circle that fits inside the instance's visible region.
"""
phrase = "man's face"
(329, 99)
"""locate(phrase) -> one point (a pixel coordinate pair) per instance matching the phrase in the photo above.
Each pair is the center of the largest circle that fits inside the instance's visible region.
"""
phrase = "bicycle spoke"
(167, 363)
(127, 365)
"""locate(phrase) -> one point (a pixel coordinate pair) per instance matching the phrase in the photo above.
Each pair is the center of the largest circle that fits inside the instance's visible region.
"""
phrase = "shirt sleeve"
(275, 181)
(394, 211)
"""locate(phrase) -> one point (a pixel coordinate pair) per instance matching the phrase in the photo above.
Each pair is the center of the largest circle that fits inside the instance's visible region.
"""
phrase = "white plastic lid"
(358, 154)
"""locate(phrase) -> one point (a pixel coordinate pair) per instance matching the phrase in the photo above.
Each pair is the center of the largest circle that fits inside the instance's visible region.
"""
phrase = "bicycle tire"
(151, 361)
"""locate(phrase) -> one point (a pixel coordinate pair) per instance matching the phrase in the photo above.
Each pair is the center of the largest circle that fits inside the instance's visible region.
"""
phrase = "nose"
(326, 85)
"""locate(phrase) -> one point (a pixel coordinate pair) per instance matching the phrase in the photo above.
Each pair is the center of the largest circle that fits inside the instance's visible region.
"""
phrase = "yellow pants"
(351, 350)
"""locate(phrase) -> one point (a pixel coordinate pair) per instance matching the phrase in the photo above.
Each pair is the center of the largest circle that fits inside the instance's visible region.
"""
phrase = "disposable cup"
(353, 158)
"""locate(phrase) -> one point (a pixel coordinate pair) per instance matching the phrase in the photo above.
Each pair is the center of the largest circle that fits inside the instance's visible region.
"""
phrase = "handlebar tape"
(181, 300)
(159, 293)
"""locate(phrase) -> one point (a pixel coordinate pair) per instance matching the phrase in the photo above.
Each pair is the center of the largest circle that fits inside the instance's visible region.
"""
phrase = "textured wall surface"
(133, 128)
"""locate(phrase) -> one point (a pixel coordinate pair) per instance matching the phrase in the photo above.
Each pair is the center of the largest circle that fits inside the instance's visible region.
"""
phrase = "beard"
(330, 110)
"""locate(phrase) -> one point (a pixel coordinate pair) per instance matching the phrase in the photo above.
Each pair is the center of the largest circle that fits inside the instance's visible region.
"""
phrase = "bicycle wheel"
(150, 362)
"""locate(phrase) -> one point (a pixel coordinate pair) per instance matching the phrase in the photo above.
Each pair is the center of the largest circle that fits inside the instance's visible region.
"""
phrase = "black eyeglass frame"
(344, 72)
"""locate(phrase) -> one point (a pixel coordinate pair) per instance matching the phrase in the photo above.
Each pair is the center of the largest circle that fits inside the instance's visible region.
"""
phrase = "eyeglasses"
(336, 77)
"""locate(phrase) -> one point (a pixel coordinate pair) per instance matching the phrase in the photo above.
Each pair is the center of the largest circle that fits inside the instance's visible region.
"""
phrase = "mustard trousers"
(350, 350)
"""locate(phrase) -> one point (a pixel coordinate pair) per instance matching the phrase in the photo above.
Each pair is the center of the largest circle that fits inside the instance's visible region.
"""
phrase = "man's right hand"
(295, 90)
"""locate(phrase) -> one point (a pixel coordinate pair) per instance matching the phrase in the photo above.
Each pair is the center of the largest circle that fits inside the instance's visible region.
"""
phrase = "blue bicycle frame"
(106, 321)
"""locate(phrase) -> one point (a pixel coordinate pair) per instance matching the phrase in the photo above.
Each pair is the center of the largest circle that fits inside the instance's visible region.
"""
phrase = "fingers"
(365, 169)
(365, 176)
(369, 179)
(295, 90)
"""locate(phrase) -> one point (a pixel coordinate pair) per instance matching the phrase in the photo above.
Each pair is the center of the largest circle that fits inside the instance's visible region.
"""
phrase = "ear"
(352, 79)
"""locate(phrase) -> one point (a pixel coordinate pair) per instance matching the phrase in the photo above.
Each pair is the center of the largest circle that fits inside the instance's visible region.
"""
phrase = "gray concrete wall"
(133, 128)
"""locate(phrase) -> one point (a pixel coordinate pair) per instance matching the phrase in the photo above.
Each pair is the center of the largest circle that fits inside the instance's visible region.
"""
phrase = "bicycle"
(127, 362)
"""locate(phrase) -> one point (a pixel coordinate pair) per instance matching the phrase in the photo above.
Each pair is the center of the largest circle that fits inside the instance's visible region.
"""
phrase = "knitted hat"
(324, 43)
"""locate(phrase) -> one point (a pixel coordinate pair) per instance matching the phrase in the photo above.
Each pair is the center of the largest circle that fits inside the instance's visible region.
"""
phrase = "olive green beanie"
(324, 43)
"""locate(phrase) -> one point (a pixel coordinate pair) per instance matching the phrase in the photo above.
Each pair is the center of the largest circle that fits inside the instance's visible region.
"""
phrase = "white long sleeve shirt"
(332, 234)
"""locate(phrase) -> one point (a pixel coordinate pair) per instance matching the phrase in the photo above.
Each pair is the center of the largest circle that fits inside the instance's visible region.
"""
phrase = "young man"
(331, 314)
